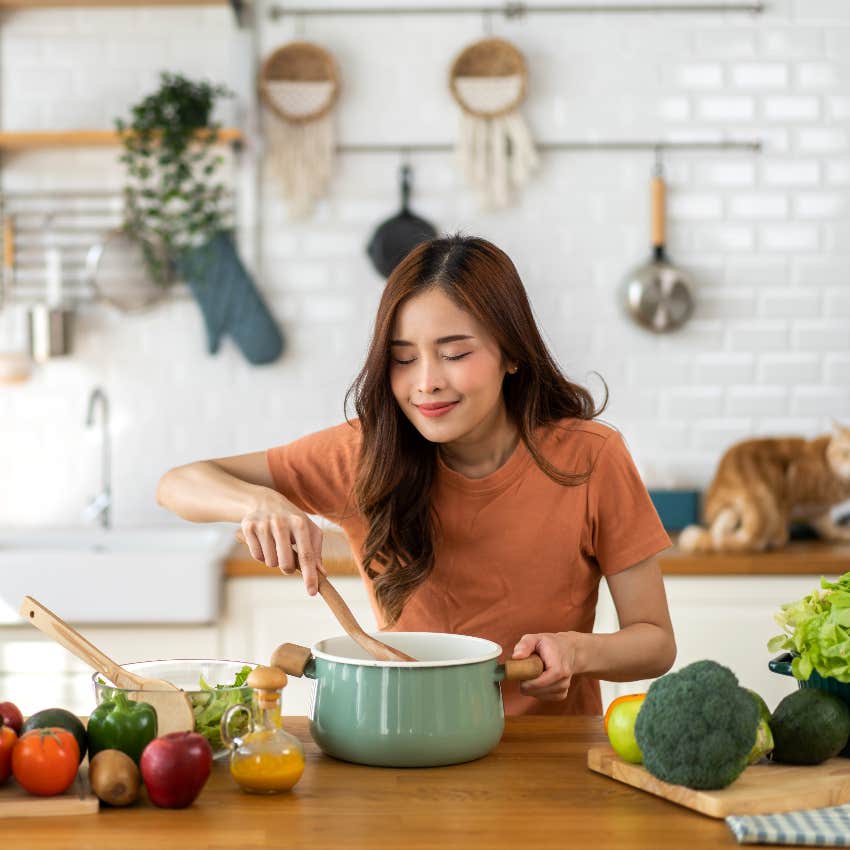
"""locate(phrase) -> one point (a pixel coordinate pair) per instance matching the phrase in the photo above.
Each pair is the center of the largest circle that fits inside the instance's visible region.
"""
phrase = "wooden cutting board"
(761, 789)
(77, 800)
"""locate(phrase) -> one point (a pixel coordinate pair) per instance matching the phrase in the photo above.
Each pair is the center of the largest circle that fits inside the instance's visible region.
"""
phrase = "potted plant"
(175, 207)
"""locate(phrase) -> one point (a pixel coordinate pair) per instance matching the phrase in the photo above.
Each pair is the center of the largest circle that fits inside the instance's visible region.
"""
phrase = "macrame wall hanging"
(299, 84)
(495, 150)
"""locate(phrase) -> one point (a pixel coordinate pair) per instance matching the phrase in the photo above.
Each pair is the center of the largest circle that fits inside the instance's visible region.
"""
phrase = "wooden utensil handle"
(523, 669)
(352, 628)
(659, 235)
(55, 627)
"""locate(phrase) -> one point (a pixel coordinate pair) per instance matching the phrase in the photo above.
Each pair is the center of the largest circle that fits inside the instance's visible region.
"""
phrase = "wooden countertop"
(533, 790)
(799, 557)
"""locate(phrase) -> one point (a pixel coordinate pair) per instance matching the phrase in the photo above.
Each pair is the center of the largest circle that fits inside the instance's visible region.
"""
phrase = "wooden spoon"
(173, 708)
(377, 649)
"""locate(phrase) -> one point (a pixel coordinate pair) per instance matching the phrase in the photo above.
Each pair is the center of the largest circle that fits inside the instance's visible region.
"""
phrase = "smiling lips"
(437, 409)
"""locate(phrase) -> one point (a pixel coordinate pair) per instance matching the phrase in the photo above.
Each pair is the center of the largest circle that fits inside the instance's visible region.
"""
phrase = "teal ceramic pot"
(782, 665)
(445, 708)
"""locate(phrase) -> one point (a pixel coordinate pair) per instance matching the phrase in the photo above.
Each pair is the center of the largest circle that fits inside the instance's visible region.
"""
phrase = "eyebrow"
(441, 341)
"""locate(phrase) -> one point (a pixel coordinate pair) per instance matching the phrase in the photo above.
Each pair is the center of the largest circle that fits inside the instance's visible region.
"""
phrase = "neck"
(483, 450)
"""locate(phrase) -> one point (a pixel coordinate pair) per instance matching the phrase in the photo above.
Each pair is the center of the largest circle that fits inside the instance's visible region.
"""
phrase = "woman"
(477, 492)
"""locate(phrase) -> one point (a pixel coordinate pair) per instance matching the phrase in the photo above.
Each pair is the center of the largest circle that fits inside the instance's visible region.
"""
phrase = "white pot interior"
(430, 649)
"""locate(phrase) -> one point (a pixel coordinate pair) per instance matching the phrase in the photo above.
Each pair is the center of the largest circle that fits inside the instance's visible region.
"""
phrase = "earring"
(513, 370)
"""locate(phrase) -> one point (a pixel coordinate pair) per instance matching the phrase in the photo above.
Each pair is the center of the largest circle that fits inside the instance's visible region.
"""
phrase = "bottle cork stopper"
(267, 682)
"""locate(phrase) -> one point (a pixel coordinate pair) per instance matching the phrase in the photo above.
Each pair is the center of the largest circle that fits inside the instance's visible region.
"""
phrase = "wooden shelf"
(17, 140)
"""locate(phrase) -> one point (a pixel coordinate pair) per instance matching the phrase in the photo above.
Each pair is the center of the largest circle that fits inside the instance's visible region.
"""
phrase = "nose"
(430, 376)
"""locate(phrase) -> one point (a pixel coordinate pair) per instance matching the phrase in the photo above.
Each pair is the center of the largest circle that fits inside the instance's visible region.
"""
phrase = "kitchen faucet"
(98, 507)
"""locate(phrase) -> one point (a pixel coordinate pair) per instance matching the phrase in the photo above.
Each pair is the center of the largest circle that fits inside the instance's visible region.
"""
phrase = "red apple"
(11, 715)
(175, 767)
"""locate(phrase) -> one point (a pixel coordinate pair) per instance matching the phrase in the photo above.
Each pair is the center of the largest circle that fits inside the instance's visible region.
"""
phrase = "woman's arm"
(643, 648)
(241, 489)
(221, 490)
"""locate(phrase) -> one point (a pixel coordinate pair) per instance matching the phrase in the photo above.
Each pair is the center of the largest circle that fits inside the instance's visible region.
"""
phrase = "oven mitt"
(229, 300)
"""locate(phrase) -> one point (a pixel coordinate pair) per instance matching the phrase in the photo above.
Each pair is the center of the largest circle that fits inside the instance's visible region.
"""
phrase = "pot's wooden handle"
(658, 229)
(522, 669)
(55, 627)
(291, 658)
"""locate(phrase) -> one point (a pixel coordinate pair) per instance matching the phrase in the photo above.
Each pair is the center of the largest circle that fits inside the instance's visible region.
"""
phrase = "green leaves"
(210, 705)
(171, 201)
(817, 630)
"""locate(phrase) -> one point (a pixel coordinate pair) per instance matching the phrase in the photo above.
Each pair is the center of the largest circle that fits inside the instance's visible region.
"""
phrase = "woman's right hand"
(270, 533)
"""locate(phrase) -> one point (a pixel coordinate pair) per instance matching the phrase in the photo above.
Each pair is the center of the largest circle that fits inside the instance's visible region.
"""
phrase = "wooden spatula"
(377, 649)
(173, 708)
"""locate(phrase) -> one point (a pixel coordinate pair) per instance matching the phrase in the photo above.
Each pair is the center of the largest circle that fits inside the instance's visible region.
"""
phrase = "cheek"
(397, 385)
(479, 378)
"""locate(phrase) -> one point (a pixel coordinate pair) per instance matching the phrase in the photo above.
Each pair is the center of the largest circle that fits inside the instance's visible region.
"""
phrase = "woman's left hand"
(558, 651)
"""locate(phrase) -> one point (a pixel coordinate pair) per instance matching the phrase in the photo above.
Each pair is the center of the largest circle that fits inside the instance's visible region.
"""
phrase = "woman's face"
(446, 370)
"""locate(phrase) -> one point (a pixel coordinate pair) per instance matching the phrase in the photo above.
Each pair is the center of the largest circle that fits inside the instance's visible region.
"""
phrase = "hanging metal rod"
(753, 145)
(517, 9)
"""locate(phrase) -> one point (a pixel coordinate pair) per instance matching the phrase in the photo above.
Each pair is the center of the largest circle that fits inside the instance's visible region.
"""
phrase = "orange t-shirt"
(518, 553)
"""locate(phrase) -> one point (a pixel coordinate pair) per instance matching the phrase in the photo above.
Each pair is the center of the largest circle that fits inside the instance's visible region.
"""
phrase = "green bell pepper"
(121, 724)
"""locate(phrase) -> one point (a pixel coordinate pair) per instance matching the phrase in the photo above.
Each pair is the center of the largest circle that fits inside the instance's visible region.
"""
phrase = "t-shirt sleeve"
(623, 523)
(316, 473)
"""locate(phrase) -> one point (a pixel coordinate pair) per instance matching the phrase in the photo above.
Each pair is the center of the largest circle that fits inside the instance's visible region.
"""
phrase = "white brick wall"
(766, 238)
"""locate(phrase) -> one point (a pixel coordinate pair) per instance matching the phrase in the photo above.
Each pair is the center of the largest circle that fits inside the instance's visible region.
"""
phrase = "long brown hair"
(397, 464)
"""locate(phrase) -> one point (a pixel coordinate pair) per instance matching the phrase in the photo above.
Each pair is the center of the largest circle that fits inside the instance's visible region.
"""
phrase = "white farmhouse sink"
(135, 575)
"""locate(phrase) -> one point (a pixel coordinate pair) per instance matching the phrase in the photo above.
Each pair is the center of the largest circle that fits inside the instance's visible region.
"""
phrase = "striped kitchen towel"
(813, 827)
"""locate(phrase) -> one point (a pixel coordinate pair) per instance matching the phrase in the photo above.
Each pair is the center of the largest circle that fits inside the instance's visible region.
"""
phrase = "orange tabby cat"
(763, 485)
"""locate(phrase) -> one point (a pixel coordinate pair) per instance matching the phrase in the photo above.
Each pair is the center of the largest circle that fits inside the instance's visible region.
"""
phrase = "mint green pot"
(444, 709)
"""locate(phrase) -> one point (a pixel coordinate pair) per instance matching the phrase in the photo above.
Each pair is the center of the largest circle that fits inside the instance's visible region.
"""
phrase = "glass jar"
(266, 759)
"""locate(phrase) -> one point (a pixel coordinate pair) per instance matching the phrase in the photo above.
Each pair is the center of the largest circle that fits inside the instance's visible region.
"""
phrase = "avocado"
(59, 717)
(809, 726)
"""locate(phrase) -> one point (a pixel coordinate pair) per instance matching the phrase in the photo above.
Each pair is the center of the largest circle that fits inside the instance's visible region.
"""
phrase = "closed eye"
(445, 357)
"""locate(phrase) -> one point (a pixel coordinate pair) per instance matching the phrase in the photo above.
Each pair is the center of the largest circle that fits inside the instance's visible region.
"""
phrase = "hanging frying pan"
(399, 235)
(657, 295)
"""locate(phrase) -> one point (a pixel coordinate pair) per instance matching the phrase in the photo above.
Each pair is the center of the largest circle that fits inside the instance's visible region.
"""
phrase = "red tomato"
(45, 761)
(8, 738)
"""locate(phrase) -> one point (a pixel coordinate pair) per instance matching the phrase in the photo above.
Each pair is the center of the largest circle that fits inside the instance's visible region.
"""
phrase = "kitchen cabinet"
(728, 619)
(35, 672)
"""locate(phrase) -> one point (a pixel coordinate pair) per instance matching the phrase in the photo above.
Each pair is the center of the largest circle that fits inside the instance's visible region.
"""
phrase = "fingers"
(525, 646)
(252, 541)
(309, 554)
(554, 682)
(283, 546)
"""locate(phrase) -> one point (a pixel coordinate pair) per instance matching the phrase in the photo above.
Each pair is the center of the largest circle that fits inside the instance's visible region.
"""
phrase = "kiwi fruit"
(114, 778)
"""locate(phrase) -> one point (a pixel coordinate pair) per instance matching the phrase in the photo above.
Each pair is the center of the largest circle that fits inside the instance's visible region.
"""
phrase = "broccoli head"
(696, 727)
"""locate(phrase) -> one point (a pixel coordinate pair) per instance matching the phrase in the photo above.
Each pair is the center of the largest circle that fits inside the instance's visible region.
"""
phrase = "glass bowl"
(209, 684)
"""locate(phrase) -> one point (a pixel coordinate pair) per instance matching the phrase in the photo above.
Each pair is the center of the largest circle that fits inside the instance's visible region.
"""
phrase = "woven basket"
(300, 62)
(488, 58)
